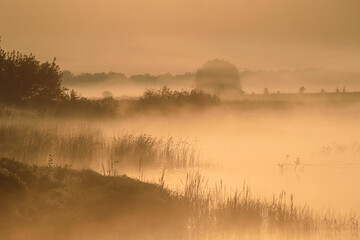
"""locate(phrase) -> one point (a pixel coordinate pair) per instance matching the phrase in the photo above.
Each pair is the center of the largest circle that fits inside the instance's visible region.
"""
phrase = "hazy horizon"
(155, 37)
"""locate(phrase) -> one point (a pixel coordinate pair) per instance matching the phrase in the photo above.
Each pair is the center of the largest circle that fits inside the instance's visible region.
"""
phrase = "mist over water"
(275, 152)
(183, 120)
(311, 154)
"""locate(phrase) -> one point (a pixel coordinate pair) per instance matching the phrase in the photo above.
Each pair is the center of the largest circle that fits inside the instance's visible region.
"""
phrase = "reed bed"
(215, 211)
(85, 146)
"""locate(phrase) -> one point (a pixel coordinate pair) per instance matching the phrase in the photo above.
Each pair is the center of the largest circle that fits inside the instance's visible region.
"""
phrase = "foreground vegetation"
(58, 202)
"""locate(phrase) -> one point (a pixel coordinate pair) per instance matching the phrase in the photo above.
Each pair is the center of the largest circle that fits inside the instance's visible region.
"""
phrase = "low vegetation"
(237, 213)
(60, 202)
(82, 145)
(167, 100)
(56, 202)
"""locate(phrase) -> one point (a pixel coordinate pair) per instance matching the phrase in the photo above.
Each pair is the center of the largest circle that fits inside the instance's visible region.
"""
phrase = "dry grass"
(217, 211)
(82, 145)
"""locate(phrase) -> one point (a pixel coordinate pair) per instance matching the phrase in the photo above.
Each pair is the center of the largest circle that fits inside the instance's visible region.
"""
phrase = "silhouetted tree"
(107, 94)
(218, 75)
(24, 79)
(69, 79)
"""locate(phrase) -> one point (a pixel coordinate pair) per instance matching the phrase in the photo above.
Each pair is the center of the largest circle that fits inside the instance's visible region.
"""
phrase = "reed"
(216, 210)
(82, 145)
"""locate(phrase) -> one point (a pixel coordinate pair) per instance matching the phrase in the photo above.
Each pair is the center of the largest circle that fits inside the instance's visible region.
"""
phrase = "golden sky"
(158, 36)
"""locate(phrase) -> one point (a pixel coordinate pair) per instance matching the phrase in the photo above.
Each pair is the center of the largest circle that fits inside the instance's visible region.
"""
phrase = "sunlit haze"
(179, 119)
(158, 36)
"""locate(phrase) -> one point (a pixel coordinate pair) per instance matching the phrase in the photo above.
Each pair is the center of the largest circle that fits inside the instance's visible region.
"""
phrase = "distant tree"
(67, 74)
(344, 90)
(322, 90)
(302, 90)
(337, 90)
(218, 75)
(144, 78)
(107, 94)
(266, 91)
(69, 79)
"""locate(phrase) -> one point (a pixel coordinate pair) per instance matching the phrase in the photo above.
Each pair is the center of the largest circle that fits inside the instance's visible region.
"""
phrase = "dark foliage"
(79, 106)
(167, 99)
(69, 79)
(24, 80)
(86, 79)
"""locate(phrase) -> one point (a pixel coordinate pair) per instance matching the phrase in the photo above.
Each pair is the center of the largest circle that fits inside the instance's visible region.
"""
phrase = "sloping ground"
(38, 202)
(53, 202)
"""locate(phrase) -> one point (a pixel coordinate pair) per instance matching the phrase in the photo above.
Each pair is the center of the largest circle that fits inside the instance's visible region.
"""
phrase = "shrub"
(166, 99)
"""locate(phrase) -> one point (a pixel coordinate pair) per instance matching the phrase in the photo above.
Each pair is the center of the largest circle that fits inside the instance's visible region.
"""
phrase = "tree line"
(27, 82)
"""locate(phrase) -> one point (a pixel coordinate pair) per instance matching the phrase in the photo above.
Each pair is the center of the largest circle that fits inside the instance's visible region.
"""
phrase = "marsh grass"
(82, 145)
(216, 211)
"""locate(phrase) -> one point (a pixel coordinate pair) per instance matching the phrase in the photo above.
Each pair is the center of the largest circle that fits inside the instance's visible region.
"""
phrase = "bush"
(80, 106)
(167, 99)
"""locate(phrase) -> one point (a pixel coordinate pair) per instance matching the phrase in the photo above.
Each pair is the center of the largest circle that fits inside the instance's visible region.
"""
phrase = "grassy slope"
(61, 203)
